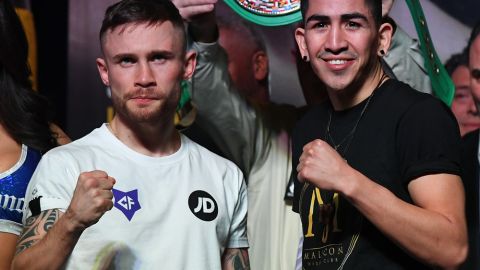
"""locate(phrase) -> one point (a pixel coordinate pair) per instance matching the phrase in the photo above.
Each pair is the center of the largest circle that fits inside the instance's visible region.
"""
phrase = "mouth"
(144, 97)
(143, 100)
(338, 64)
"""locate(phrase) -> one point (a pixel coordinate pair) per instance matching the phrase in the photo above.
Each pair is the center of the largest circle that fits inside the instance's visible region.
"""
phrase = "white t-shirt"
(175, 212)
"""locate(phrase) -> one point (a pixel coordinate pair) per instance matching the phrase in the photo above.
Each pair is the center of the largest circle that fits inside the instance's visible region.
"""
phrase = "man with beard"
(175, 205)
(378, 183)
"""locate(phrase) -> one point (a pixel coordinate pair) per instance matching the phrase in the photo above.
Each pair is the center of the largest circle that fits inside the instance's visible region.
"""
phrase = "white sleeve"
(227, 117)
(52, 185)
(238, 226)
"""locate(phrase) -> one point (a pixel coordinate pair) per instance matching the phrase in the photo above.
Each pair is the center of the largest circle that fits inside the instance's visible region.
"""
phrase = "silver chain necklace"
(349, 137)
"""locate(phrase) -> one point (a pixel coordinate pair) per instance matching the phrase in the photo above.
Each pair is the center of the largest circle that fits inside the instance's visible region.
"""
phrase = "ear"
(302, 44)
(103, 70)
(260, 65)
(384, 38)
(190, 63)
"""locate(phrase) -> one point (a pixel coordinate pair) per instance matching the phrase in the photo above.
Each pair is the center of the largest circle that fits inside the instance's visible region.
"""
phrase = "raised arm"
(234, 125)
(49, 238)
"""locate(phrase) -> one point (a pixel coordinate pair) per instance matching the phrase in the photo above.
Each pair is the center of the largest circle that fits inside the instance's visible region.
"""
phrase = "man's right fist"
(91, 199)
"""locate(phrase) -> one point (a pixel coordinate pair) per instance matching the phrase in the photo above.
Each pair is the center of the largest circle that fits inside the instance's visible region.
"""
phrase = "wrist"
(351, 184)
(72, 224)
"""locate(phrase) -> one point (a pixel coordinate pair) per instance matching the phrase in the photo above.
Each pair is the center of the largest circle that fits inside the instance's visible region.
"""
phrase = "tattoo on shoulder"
(237, 259)
(36, 227)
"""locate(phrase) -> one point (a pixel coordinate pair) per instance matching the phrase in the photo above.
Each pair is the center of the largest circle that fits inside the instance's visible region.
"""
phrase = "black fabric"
(404, 134)
(34, 206)
(470, 177)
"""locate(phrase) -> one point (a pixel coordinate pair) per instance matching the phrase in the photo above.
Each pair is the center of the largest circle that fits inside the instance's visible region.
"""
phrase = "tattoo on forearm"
(237, 259)
(36, 227)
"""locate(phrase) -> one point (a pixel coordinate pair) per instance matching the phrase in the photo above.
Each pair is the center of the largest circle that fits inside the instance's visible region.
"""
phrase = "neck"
(156, 140)
(357, 91)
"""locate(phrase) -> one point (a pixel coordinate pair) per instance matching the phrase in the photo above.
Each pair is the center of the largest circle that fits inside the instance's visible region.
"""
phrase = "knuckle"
(90, 183)
(319, 143)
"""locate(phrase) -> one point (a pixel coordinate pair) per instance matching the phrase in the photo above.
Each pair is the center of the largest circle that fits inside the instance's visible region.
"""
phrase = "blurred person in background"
(463, 106)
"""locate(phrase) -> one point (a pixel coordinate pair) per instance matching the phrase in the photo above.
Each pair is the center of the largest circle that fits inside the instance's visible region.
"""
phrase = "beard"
(161, 109)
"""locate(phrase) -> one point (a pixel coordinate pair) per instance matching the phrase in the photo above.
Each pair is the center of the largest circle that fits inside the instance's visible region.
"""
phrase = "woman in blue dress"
(26, 131)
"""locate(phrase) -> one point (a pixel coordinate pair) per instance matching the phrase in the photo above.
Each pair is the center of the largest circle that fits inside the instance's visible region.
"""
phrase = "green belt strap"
(442, 85)
(184, 95)
(267, 13)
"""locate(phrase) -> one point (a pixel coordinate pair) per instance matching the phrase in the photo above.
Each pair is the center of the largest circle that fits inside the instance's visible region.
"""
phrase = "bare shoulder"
(36, 227)
(235, 259)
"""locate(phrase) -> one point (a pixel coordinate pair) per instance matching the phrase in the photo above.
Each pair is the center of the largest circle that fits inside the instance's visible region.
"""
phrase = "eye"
(460, 96)
(126, 61)
(353, 25)
(319, 25)
(158, 58)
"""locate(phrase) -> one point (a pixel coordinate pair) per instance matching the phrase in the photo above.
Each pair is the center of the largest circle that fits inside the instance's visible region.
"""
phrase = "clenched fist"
(191, 9)
(322, 166)
(91, 199)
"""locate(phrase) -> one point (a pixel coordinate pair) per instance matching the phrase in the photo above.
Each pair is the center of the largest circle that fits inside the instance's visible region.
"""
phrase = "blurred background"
(64, 38)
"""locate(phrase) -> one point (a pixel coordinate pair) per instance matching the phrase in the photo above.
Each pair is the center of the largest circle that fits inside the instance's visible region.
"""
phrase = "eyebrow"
(343, 17)
(355, 15)
(167, 54)
(164, 53)
(316, 17)
(121, 56)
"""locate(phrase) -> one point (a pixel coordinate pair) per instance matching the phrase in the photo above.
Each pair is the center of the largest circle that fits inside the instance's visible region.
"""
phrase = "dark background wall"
(466, 11)
(51, 28)
(67, 37)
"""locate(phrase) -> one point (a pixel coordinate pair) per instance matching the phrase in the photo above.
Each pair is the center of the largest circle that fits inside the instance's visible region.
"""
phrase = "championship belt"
(267, 12)
(442, 85)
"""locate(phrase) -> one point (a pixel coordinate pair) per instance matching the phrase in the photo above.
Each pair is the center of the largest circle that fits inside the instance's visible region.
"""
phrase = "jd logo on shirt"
(127, 202)
(203, 205)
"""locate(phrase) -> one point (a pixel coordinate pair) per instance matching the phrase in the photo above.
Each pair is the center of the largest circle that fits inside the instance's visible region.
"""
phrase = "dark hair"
(475, 33)
(375, 7)
(23, 113)
(142, 11)
(456, 60)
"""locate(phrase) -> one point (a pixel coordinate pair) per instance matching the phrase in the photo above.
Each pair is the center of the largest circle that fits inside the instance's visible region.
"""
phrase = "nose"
(336, 42)
(473, 106)
(145, 77)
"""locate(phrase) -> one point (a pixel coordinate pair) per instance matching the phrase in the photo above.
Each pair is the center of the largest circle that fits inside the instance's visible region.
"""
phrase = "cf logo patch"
(203, 205)
(127, 202)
